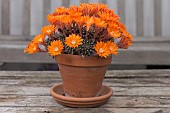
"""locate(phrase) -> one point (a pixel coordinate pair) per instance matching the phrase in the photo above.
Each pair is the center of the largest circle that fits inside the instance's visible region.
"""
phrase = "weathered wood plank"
(114, 102)
(117, 91)
(36, 19)
(130, 13)
(114, 82)
(165, 17)
(140, 78)
(147, 39)
(158, 17)
(139, 17)
(5, 17)
(0, 17)
(55, 4)
(109, 74)
(139, 53)
(26, 18)
(112, 4)
(46, 10)
(149, 18)
(103, 1)
(75, 2)
(66, 3)
(82, 110)
(15, 38)
(16, 17)
(130, 99)
(93, 1)
(121, 10)
(83, 1)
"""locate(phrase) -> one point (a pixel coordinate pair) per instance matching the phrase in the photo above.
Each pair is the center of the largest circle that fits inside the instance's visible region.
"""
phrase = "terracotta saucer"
(58, 93)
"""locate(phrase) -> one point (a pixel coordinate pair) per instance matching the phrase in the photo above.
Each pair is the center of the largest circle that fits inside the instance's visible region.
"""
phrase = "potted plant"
(82, 39)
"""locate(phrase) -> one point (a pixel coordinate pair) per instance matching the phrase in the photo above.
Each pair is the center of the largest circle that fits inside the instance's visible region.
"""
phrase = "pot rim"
(77, 60)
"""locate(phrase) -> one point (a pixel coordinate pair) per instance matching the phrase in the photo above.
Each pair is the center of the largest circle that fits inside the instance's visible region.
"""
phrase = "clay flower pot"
(82, 77)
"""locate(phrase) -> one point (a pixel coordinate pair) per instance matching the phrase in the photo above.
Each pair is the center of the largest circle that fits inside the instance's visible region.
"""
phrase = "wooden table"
(140, 91)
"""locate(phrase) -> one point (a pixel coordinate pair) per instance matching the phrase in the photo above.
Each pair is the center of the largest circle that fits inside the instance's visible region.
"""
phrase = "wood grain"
(114, 102)
(109, 74)
(139, 17)
(82, 110)
(158, 17)
(140, 78)
(5, 17)
(83, 1)
(29, 92)
(26, 18)
(141, 53)
(117, 91)
(103, 1)
(0, 17)
(46, 11)
(151, 19)
(121, 10)
(66, 3)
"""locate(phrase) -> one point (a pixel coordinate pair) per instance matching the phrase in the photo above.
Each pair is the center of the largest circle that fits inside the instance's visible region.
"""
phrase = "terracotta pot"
(82, 77)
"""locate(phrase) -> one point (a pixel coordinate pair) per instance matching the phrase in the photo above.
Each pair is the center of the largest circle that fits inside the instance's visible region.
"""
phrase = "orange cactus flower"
(108, 16)
(114, 32)
(124, 43)
(83, 19)
(61, 11)
(32, 48)
(89, 22)
(73, 41)
(39, 38)
(51, 19)
(102, 49)
(55, 48)
(100, 23)
(112, 47)
(75, 15)
(66, 19)
(48, 30)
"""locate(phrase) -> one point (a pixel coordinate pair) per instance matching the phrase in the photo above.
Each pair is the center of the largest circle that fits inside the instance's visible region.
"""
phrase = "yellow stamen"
(73, 42)
(101, 50)
(111, 48)
(56, 49)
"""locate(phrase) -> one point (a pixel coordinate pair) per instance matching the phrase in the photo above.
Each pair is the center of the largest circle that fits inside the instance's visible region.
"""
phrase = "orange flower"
(55, 48)
(83, 19)
(73, 41)
(114, 32)
(102, 49)
(75, 8)
(66, 19)
(51, 18)
(112, 47)
(75, 15)
(100, 23)
(89, 23)
(48, 30)
(32, 48)
(108, 16)
(61, 11)
(101, 6)
(124, 43)
(39, 38)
